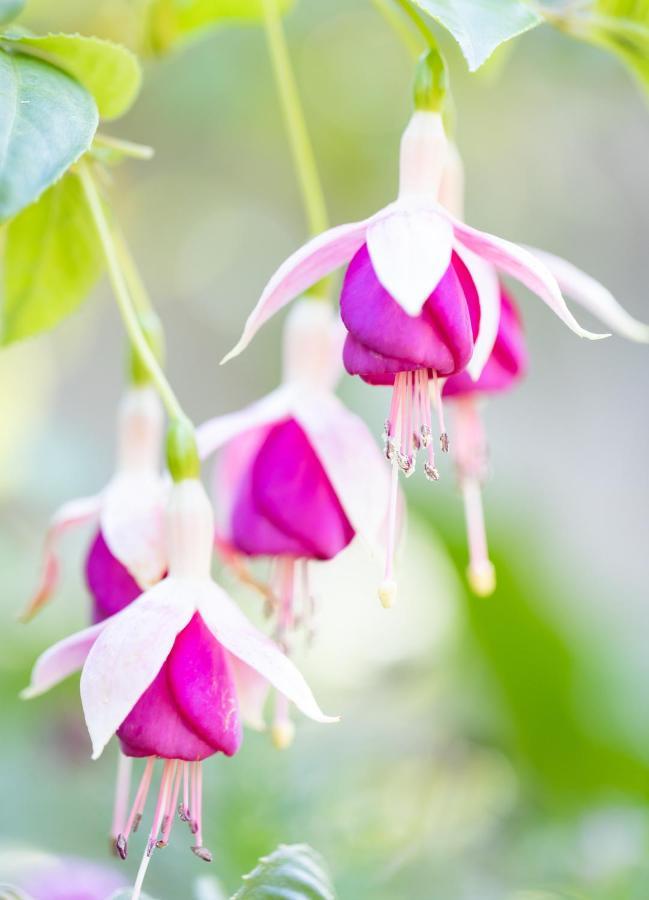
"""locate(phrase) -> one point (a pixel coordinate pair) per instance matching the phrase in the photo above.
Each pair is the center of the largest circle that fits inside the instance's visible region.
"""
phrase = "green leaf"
(171, 21)
(9, 9)
(109, 71)
(292, 872)
(479, 26)
(47, 121)
(52, 259)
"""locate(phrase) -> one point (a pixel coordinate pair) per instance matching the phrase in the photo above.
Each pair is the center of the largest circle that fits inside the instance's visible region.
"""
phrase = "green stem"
(124, 302)
(419, 22)
(304, 158)
(132, 277)
(128, 148)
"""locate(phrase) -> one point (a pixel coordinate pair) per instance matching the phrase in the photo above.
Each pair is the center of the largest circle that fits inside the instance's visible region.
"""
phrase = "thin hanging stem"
(132, 277)
(419, 22)
(124, 301)
(301, 147)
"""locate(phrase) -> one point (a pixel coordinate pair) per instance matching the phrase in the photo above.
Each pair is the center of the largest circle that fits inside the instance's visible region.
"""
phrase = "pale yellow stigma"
(388, 593)
(282, 734)
(482, 578)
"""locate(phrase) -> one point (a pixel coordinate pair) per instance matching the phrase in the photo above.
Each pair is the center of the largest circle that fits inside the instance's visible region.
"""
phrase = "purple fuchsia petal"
(507, 363)
(440, 337)
(191, 709)
(287, 504)
(112, 586)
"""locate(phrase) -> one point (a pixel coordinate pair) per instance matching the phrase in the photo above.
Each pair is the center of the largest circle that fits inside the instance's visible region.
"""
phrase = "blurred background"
(488, 749)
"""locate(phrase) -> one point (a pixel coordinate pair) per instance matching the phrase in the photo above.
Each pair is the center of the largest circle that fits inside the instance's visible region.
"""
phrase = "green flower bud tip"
(431, 82)
(182, 452)
(152, 330)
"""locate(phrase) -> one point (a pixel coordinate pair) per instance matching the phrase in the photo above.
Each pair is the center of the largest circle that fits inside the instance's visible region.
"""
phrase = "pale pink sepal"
(485, 278)
(231, 628)
(70, 515)
(132, 523)
(522, 265)
(410, 250)
(300, 271)
(352, 460)
(217, 432)
(593, 296)
(61, 660)
(128, 655)
(252, 693)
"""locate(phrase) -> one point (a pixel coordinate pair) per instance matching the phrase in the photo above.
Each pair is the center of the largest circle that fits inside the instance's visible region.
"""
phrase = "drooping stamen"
(168, 771)
(135, 816)
(481, 573)
(193, 821)
(439, 406)
(183, 809)
(122, 791)
(198, 849)
(388, 587)
(170, 813)
(308, 604)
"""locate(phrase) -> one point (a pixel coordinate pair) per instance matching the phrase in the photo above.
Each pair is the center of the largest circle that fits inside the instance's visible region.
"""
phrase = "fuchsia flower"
(128, 515)
(420, 299)
(298, 476)
(173, 675)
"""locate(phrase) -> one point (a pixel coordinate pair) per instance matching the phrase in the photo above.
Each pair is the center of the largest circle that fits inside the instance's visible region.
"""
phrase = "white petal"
(593, 296)
(252, 693)
(61, 660)
(70, 515)
(216, 432)
(486, 281)
(232, 629)
(128, 655)
(410, 250)
(526, 268)
(300, 271)
(132, 523)
(352, 460)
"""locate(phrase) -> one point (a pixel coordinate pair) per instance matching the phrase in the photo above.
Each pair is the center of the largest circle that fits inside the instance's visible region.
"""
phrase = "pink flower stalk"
(127, 553)
(420, 299)
(173, 674)
(505, 367)
(298, 476)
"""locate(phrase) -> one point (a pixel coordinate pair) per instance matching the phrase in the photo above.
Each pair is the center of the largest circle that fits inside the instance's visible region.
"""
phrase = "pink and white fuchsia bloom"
(420, 299)
(128, 513)
(173, 674)
(298, 475)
